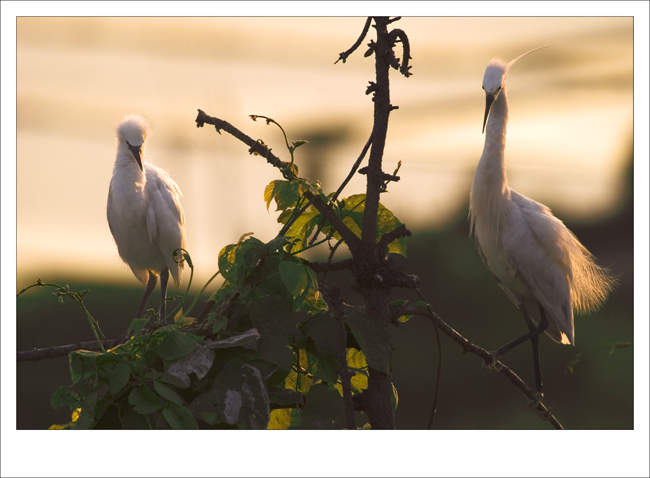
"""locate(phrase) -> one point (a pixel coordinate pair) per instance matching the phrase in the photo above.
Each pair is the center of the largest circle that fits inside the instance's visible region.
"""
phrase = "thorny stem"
(379, 131)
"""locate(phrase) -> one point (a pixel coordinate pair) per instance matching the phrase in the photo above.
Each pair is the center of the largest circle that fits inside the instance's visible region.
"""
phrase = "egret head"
(132, 134)
(494, 80)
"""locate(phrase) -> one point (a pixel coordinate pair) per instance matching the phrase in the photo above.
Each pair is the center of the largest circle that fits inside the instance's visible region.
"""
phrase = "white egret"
(144, 212)
(539, 263)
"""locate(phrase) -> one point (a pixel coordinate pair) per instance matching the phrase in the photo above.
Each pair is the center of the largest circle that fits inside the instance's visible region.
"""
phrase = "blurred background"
(569, 146)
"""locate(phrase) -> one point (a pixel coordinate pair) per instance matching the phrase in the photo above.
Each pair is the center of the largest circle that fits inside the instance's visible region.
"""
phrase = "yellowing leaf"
(75, 416)
(268, 193)
(59, 427)
(280, 419)
(356, 359)
(179, 316)
(352, 225)
(184, 321)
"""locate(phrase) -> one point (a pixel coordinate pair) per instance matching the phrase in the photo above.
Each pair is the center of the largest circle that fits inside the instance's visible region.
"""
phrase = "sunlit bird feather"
(540, 264)
(144, 212)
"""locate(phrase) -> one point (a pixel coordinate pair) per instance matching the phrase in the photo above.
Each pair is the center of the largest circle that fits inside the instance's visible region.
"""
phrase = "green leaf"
(302, 227)
(136, 326)
(321, 328)
(373, 338)
(294, 276)
(62, 397)
(180, 417)
(324, 409)
(144, 401)
(297, 144)
(273, 314)
(206, 407)
(119, 378)
(166, 392)
(170, 379)
(175, 345)
(220, 323)
(76, 367)
(285, 397)
(353, 209)
(285, 193)
(85, 420)
(275, 349)
(229, 262)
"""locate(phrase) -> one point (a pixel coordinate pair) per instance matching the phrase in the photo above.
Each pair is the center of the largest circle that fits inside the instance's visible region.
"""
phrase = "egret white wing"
(165, 217)
(531, 245)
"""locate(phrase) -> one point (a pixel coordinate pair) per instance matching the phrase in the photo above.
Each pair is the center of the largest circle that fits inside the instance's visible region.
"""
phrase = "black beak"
(137, 154)
(489, 99)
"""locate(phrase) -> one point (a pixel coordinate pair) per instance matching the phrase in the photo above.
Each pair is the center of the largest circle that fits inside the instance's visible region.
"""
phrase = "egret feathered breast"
(144, 212)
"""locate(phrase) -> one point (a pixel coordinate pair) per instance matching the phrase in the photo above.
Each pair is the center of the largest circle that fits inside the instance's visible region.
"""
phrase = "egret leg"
(535, 341)
(147, 293)
(151, 284)
(164, 277)
(533, 335)
(543, 325)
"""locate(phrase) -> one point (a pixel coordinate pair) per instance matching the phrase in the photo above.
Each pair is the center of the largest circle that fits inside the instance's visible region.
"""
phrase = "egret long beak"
(489, 99)
(137, 154)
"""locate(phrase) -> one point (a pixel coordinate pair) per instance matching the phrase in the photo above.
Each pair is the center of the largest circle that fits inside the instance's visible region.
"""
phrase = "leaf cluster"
(267, 353)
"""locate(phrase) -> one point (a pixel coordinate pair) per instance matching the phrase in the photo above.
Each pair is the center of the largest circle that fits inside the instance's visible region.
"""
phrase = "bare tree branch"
(468, 346)
(59, 351)
(389, 237)
(255, 146)
(344, 56)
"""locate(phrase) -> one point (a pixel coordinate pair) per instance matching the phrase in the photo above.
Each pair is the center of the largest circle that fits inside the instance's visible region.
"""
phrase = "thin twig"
(345, 182)
(439, 366)
(399, 34)
(329, 262)
(389, 237)
(348, 236)
(288, 225)
(344, 56)
(255, 147)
